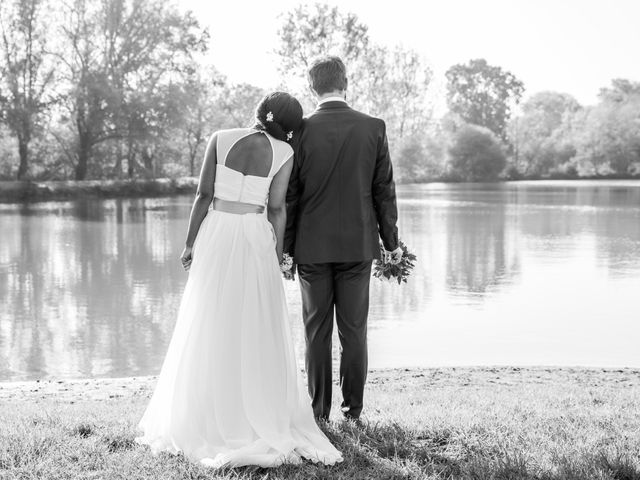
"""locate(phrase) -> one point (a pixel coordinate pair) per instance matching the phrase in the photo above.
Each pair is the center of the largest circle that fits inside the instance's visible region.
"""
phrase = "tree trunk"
(147, 159)
(117, 169)
(84, 151)
(131, 163)
(23, 151)
(192, 163)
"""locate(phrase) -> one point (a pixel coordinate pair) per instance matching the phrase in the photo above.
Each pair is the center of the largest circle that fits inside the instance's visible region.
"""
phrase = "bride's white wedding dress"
(230, 392)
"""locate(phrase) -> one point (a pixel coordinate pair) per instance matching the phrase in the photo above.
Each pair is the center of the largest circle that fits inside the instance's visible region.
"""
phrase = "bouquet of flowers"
(286, 266)
(384, 269)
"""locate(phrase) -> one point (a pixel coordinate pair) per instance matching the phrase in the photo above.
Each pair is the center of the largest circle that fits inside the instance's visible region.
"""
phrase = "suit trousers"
(343, 287)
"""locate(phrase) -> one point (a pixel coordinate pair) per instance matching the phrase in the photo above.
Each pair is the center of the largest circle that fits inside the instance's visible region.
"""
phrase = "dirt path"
(388, 379)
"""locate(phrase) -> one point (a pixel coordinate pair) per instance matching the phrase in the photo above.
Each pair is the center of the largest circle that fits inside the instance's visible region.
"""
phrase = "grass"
(489, 423)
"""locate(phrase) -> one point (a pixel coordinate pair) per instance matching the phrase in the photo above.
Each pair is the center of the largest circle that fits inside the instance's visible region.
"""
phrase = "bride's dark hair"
(280, 115)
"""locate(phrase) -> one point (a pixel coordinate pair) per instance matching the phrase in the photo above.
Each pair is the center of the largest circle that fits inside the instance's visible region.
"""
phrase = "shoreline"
(104, 388)
(467, 423)
(34, 191)
(28, 191)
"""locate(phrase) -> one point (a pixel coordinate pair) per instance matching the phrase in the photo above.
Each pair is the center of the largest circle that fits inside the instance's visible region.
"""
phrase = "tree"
(118, 55)
(150, 115)
(483, 94)
(236, 104)
(608, 134)
(384, 82)
(204, 103)
(476, 154)
(26, 74)
(309, 31)
(542, 136)
(399, 92)
(208, 102)
(620, 91)
(312, 30)
(419, 159)
(199, 117)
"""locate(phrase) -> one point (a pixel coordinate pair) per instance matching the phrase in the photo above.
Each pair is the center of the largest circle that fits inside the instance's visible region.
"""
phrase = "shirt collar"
(332, 99)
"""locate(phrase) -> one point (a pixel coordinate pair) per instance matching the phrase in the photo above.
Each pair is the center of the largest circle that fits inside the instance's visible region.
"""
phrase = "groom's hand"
(395, 256)
(290, 274)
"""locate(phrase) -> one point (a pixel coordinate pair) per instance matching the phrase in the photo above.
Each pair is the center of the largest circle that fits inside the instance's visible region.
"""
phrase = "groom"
(341, 199)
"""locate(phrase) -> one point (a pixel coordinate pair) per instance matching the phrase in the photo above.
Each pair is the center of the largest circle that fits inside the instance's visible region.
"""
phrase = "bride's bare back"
(251, 155)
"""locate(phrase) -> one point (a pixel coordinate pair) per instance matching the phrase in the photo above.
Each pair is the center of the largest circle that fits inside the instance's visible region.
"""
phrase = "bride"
(230, 392)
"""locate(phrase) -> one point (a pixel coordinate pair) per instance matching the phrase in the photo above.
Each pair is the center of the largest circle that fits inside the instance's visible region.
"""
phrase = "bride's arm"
(203, 199)
(277, 206)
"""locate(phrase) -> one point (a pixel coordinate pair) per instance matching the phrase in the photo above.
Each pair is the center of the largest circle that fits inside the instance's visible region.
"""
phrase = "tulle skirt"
(230, 392)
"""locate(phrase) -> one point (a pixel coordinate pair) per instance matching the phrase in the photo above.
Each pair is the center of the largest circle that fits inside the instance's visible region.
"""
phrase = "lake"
(522, 273)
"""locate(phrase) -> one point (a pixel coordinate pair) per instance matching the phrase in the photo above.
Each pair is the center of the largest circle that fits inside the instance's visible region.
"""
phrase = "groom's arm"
(384, 193)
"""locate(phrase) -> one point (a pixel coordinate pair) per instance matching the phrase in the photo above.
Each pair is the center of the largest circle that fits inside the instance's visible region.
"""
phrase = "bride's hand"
(186, 258)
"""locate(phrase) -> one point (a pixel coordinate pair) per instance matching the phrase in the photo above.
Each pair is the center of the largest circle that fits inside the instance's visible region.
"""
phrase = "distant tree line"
(487, 134)
(550, 136)
(556, 136)
(107, 89)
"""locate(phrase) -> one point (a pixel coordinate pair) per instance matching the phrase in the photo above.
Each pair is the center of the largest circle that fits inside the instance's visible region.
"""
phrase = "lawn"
(450, 423)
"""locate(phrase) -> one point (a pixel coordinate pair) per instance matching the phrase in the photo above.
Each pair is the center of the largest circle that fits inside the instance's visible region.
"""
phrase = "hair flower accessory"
(290, 135)
(270, 117)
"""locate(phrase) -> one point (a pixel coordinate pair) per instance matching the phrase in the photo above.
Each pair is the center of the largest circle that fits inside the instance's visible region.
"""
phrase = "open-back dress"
(230, 392)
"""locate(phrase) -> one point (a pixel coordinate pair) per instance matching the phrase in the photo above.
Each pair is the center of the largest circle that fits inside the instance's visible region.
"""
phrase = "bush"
(512, 173)
(8, 155)
(476, 154)
(418, 160)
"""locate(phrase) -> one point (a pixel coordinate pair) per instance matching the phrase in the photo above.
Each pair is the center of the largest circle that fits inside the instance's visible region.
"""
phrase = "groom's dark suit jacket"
(341, 193)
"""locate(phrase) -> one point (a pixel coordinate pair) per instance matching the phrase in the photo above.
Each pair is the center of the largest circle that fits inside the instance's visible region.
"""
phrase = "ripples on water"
(544, 273)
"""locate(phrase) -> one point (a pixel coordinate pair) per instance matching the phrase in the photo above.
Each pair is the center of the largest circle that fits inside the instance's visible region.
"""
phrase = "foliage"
(400, 82)
(197, 113)
(112, 89)
(419, 158)
(382, 81)
(119, 62)
(608, 134)
(541, 135)
(25, 73)
(312, 30)
(476, 154)
(555, 137)
(236, 104)
(8, 155)
(483, 94)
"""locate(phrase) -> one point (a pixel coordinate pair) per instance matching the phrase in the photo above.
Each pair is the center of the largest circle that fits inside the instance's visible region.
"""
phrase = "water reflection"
(481, 256)
(88, 287)
(510, 273)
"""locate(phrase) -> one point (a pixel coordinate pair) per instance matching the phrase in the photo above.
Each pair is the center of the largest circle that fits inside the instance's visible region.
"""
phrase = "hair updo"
(280, 115)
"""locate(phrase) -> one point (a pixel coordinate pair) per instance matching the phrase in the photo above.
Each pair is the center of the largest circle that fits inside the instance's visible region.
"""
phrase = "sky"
(571, 46)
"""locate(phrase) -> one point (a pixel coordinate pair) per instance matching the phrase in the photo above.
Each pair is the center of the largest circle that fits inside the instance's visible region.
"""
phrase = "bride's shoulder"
(285, 146)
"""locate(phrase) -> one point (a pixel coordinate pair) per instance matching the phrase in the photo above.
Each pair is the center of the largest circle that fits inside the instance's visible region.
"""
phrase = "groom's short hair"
(327, 74)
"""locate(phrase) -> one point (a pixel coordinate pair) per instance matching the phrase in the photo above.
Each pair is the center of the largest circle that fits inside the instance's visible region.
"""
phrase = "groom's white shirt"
(332, 99)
